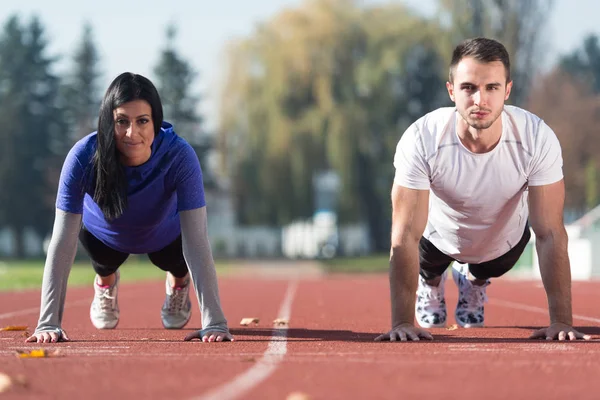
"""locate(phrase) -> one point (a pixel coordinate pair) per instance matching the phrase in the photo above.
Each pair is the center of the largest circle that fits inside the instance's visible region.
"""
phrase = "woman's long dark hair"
(110, 191)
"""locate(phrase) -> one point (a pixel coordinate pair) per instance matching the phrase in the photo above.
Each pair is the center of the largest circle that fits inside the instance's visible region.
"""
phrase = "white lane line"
(264, 367)
(36, 310)
(524, 307)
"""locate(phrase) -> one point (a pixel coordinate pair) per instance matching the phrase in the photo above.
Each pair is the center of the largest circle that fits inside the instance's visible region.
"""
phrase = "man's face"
(479, 91)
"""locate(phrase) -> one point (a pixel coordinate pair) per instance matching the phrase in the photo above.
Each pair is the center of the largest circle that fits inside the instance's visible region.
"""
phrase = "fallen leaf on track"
(248, 321)
(5, 382)
(297, 396)
(38, 353)
(452, 327)
(14, 328)
(280, 321)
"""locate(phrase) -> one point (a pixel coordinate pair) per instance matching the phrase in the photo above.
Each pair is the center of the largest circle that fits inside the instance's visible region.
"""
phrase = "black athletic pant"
(433, 262)
(106, 261)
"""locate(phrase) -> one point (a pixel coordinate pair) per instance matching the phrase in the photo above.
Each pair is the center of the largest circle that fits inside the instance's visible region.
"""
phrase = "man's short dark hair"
(483, 50)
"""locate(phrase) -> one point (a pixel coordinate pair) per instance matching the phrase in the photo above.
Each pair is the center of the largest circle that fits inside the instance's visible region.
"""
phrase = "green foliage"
(31, 120)
(330, 85)
(584, 63)
(175, 77)
(81, 93)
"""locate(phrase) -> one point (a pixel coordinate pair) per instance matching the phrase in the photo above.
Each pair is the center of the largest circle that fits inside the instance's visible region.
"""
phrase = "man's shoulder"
(436, 118)
(525, 121)
(432, 127)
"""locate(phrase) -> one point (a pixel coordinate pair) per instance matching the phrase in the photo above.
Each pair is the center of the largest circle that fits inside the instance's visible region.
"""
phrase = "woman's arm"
(198, 255)
(61, 253)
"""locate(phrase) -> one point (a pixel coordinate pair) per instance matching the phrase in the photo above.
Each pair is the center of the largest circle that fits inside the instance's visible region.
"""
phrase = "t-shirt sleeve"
(71, 191)
(547, 162)
(412, 170)
(188, 181)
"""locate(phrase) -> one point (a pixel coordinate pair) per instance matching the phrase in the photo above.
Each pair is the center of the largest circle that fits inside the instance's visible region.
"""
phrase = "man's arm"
(546, 217)
(409, 216)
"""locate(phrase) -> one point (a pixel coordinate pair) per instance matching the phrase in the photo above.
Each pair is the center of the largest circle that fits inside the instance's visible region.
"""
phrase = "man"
(469, 181)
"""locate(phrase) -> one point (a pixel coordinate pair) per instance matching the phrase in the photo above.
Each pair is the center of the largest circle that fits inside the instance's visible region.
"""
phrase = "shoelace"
(176, 301)
(106, 300)
(431, 293)
(475, 296)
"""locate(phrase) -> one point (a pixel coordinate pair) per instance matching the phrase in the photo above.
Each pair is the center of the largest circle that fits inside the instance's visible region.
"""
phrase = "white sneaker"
(104, 312)
(177, 308)
(430, 307)
(469, 309)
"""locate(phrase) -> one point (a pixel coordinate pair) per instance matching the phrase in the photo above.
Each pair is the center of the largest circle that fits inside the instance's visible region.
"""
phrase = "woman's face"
(134, 132)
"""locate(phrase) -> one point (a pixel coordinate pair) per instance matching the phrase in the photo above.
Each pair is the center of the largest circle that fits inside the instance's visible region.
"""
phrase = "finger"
(64, 337)
(412, 336)
(540, 333)
(212, 338)
(32, 338)
(193, 335)
(402, 335)
(393, 336)
(230, 337)
(46, 337)
(425, 335)
(381, 338)
(572, 335)
(219, 338)
(53, 337)
(205, 338)
(562, 335)
(579, 335)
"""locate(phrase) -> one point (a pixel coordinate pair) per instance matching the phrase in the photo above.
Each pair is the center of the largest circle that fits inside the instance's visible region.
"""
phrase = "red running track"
(327, 352)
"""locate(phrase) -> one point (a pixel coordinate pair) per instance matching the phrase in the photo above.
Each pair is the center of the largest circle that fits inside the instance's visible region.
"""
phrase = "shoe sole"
(178, 326)
(467, 326)
(105, 326)
(429, 326)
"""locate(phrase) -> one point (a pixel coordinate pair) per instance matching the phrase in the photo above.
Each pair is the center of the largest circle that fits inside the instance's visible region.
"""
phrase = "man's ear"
(508, 90)
(450, 88)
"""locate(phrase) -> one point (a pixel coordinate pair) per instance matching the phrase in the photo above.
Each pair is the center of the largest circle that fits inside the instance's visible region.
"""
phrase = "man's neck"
(479, 140)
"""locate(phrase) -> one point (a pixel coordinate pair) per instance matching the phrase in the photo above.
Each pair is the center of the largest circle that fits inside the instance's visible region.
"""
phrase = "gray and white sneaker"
(104, 311)
(177, 308)
(471, 298)
(430, 307)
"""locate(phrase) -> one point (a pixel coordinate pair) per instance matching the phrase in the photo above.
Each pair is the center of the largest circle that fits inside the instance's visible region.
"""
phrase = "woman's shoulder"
(83, 150)
(86, 145)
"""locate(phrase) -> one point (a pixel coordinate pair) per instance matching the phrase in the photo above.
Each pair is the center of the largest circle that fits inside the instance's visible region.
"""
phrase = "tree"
(81, 95)
(31, 120)
(584, 63)
(175, 78)
(571, 109)
(328, 86)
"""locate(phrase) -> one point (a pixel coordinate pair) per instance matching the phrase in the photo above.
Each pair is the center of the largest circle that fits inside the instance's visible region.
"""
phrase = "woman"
(137, 187)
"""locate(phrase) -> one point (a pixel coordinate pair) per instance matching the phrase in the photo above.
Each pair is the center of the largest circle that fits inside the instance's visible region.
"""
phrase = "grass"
(21, 275)
(367, 264)
(381, 263)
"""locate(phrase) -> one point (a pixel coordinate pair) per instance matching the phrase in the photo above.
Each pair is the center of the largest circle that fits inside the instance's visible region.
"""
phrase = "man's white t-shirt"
(478, 202)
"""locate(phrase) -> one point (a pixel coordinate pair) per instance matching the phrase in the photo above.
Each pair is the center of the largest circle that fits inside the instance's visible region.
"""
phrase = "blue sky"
(131, 33)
